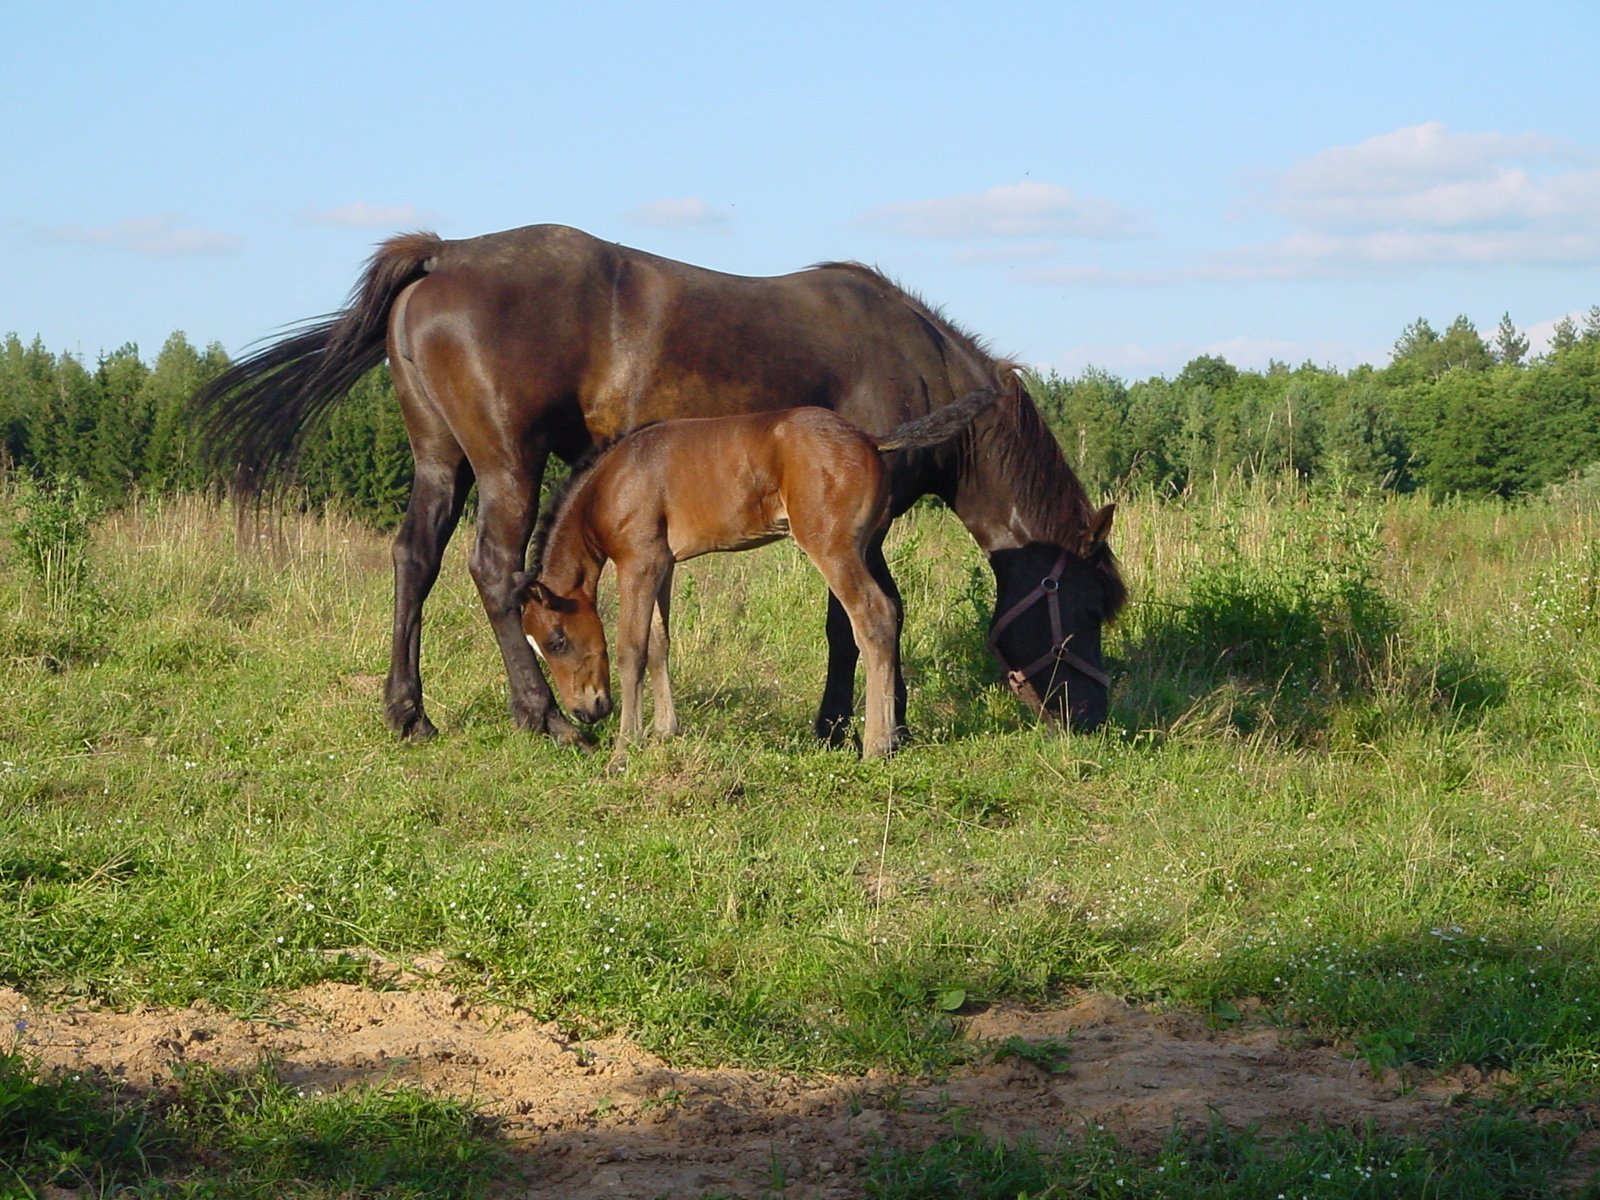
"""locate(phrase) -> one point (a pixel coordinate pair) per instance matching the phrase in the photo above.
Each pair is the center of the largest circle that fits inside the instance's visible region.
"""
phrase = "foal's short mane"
(562, 494)
(1030, 461)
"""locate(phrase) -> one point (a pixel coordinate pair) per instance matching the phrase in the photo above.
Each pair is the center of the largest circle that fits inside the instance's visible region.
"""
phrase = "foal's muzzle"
(597, 709)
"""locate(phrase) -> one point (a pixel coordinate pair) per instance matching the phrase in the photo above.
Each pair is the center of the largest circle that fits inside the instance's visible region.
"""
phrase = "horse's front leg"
(664, 722)
(638, 584)
(507, 505)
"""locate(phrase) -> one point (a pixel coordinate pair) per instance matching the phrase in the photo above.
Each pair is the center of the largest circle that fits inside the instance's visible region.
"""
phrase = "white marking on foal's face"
(536, 648)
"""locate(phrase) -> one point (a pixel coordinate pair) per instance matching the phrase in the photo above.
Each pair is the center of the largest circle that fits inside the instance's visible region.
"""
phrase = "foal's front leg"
(638, 585)
(665, 720)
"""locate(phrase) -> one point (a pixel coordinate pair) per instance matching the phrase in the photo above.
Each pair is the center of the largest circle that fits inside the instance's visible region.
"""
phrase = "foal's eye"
(557, 644)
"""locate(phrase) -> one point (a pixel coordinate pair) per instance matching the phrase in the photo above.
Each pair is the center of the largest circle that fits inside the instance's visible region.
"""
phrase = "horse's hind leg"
(508, 502)
(665, 720)
(839, 689)
(438, 491)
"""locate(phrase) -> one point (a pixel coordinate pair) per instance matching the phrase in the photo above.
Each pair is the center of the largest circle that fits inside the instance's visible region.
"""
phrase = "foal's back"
(732, 483)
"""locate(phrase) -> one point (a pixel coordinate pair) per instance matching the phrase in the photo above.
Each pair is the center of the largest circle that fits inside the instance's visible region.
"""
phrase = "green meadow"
(1351, 785)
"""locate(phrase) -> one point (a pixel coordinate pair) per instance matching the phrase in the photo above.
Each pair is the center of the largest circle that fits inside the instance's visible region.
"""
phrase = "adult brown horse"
(511, 347)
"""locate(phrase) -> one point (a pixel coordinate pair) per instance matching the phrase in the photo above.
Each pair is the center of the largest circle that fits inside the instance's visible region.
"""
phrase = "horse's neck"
(1008, 497)
(992, 517)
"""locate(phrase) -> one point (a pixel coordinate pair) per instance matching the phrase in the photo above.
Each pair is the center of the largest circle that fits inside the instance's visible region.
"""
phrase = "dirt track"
(605, 1119)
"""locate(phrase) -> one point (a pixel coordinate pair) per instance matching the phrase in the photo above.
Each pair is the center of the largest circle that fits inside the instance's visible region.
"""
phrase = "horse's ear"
(1099, 529)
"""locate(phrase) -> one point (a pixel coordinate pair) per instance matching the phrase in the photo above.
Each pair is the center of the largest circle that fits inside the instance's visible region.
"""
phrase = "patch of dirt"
(603, 1118)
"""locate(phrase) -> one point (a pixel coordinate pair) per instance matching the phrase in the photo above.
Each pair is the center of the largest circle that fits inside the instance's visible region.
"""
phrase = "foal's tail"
(253, 417)
(939, 426)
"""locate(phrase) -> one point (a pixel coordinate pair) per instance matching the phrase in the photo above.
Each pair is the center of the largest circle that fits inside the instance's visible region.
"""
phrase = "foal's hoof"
(618, 763)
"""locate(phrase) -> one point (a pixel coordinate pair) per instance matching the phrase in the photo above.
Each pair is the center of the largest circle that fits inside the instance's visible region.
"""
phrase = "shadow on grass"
(1251, 653)
(224, 1134)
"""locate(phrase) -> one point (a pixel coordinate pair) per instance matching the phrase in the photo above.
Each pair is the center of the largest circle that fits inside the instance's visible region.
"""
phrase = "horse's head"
(566, 633)
(1050, 606)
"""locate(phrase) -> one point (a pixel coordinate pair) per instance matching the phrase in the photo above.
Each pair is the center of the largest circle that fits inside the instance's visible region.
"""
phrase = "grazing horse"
(513, 346)
(675, 490)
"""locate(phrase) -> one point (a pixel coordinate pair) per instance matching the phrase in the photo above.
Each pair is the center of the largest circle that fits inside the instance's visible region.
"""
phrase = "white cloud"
(676, 214)
(1025, 210)
(1425, 195)
(1414, 159)
(1542, 335)
(157, 237)
(363, 215)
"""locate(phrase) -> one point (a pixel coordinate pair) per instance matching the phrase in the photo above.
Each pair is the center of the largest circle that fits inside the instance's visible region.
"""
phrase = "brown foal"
(674, 490)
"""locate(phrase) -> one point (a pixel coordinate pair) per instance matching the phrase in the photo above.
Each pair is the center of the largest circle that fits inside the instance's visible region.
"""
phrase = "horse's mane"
(933, 314)
(1047, 490)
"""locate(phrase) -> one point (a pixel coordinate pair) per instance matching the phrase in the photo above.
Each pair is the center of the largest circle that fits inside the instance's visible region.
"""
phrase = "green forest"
(1452, 413)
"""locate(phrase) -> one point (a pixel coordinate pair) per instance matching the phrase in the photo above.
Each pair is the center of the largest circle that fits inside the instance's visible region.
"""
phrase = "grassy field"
(1352, 774)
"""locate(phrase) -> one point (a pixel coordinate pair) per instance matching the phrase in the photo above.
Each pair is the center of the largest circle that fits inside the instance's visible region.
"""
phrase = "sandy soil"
(604, 1118)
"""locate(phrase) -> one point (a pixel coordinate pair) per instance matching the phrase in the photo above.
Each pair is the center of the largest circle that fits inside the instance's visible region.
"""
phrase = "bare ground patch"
(603, 1118)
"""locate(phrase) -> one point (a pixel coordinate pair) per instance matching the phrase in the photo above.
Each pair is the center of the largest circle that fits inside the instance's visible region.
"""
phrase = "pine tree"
(114, 446)
(1510, 346)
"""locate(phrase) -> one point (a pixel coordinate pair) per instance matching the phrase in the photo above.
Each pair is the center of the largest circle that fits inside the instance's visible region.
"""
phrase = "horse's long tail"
(253, 417)
(939, 426)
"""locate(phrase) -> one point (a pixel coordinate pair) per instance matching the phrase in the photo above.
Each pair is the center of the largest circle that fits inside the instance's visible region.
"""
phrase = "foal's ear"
(522, 585)
(1094, 537)
(526, 589)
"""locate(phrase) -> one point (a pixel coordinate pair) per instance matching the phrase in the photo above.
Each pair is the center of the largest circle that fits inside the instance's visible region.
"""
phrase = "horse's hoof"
(834, 732)
(564, 733)
(419, 729)
(617, 764)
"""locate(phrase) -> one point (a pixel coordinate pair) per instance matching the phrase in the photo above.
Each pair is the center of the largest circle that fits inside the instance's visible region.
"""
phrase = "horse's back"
(547, 318)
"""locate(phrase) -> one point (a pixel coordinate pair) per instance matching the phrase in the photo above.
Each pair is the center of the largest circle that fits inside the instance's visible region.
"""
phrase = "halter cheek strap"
(1049, 589)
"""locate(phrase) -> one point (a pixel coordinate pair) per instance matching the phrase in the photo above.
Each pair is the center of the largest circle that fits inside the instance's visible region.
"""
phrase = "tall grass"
(1350, 772)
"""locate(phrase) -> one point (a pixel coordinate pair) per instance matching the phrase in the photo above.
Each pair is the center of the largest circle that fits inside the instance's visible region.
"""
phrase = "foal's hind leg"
(665, 720)
(879, 567)
(872, 620)
(838, 692)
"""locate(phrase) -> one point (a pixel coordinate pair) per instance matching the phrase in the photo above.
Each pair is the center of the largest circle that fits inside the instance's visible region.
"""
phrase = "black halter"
(1049, 588)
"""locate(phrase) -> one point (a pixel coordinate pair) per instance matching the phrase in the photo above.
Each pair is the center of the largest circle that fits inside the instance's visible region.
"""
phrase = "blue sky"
(1123, 185)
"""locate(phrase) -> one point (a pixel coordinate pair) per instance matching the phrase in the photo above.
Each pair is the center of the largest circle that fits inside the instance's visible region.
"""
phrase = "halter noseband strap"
(1049, 588)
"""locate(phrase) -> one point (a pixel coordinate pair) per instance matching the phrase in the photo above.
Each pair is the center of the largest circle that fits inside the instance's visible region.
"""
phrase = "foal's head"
(567, 635)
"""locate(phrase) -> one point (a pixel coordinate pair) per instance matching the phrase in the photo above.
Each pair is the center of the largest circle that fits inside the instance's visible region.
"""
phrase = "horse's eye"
(557, 644)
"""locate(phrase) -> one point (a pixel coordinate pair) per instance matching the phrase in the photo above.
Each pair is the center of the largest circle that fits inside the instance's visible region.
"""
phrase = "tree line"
(1452, 413)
